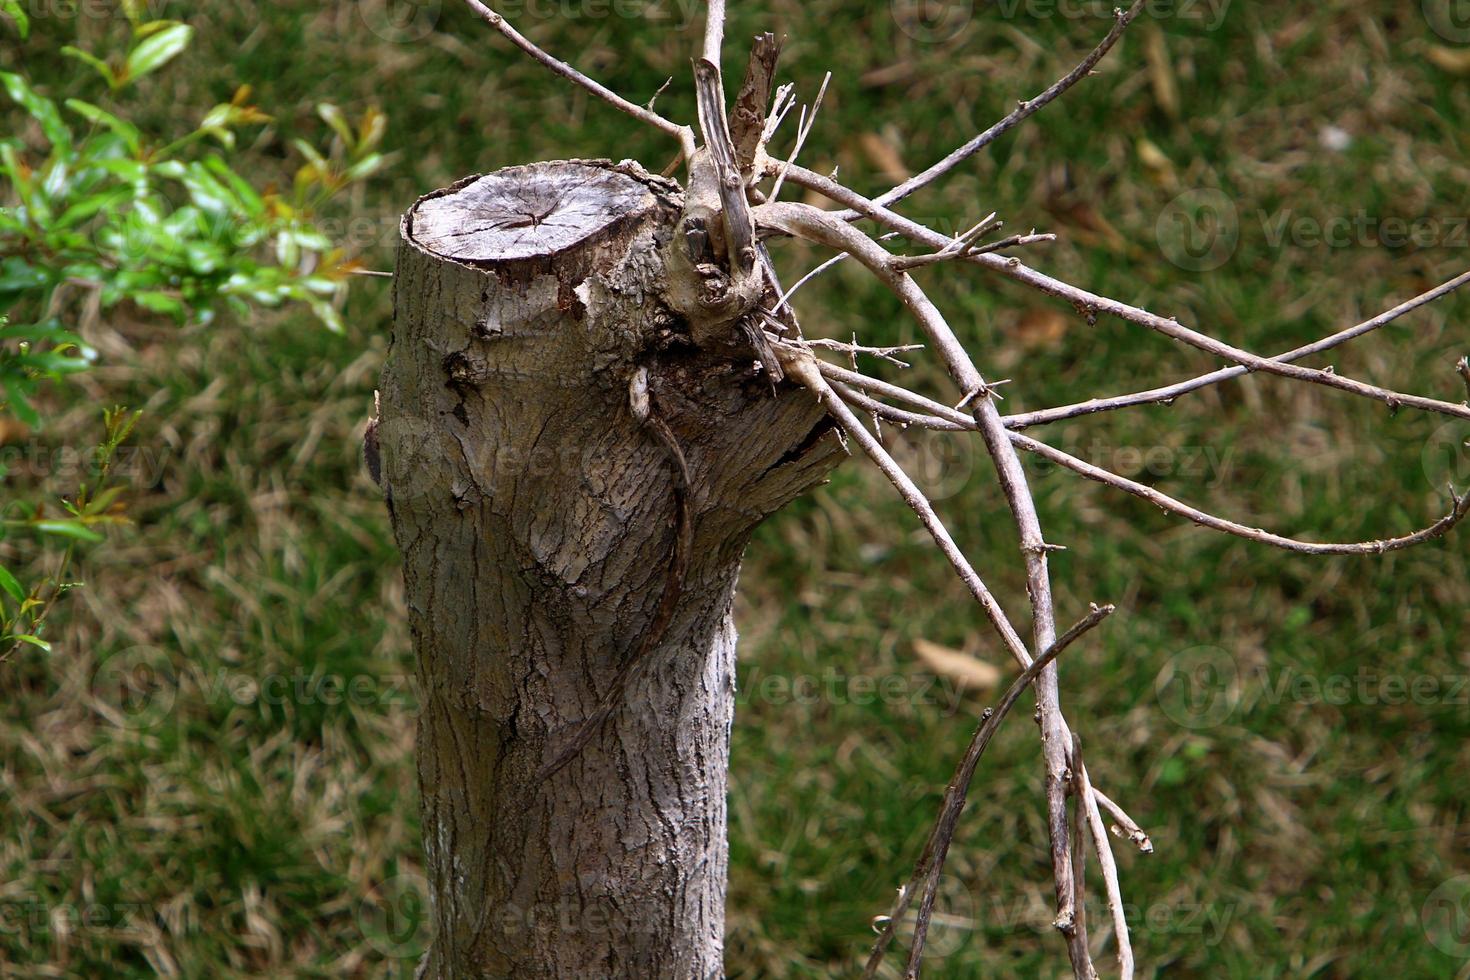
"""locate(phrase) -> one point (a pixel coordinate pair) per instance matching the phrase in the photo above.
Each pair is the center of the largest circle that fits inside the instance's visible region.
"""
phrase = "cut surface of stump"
(527, 212)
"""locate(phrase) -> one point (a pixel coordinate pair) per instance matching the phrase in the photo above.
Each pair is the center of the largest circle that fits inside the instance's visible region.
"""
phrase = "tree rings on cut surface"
(528, 212)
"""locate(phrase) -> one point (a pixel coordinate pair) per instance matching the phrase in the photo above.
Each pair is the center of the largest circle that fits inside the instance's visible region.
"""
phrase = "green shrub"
(96, 212)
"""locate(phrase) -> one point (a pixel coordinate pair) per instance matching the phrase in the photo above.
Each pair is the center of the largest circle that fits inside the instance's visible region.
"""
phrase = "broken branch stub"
(536, 516)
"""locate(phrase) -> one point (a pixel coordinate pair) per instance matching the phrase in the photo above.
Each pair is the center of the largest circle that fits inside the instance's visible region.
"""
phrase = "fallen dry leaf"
(1041, 327)
(884, 155)
(1456, 61)
(965, 670)
(1161, 71)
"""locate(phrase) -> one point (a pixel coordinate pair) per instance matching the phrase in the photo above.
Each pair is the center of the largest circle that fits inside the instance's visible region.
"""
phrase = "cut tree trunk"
(537, 521)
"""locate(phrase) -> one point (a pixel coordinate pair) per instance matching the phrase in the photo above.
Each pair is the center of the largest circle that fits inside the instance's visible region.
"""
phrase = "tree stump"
(536, 520)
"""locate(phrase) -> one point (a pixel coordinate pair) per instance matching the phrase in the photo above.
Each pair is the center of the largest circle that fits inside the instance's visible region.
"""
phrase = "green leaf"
(250, 201)
(313, 154)
(10, 584)
(365, 167)
(91, 205)
(95, 63)
(335, 118)
(157, 50)
(19, 404)
(68, 529)
(39, 108)
(100, 503)
(19, 276)
(159, 302)
(125, 130)
(16, 11)
(326, 313)
(34, 641)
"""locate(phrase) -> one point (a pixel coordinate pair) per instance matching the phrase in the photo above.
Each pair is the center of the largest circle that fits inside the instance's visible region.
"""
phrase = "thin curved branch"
(683, 134)
(1162, 500)
(1078, 947)
(786, 296)
(930, 864)
(1013, 268)
(1087, 800)
(800, 366)
(1022, 112)
(1167, 394)
(820, 226)
(946, 419)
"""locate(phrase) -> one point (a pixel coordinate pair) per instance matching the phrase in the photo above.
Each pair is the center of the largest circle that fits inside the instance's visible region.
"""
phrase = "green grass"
(233, 824)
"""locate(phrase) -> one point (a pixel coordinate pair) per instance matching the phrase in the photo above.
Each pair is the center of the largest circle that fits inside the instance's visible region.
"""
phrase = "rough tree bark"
(537, 520)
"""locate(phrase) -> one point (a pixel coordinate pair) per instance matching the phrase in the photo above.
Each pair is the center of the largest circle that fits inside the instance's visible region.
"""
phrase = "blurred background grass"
(1291, 731)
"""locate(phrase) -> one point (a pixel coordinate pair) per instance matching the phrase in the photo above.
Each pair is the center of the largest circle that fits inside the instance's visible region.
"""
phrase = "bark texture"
(536, 520)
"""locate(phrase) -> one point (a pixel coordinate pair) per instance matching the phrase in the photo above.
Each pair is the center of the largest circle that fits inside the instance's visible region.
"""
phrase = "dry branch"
(683, 134)
(726, 289)
(930, 865)
(1022, 112)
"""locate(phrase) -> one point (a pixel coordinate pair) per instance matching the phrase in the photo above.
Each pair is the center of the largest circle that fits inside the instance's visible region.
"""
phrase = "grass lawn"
(1293, 732)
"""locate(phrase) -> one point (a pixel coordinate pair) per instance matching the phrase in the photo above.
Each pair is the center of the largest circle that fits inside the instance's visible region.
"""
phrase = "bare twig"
(786, 296)
(1021, 112)
(780, 106)
(1013, 268)
(1126, 826)
(800, 366)
(803, 130)
(1087, 803)
(944, 418)
(819, 226)
(1077, 942)
(683, 134)
(884, 353)
(1162, 500)
(930, 865)
(1167, 394)
(1462, 367)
